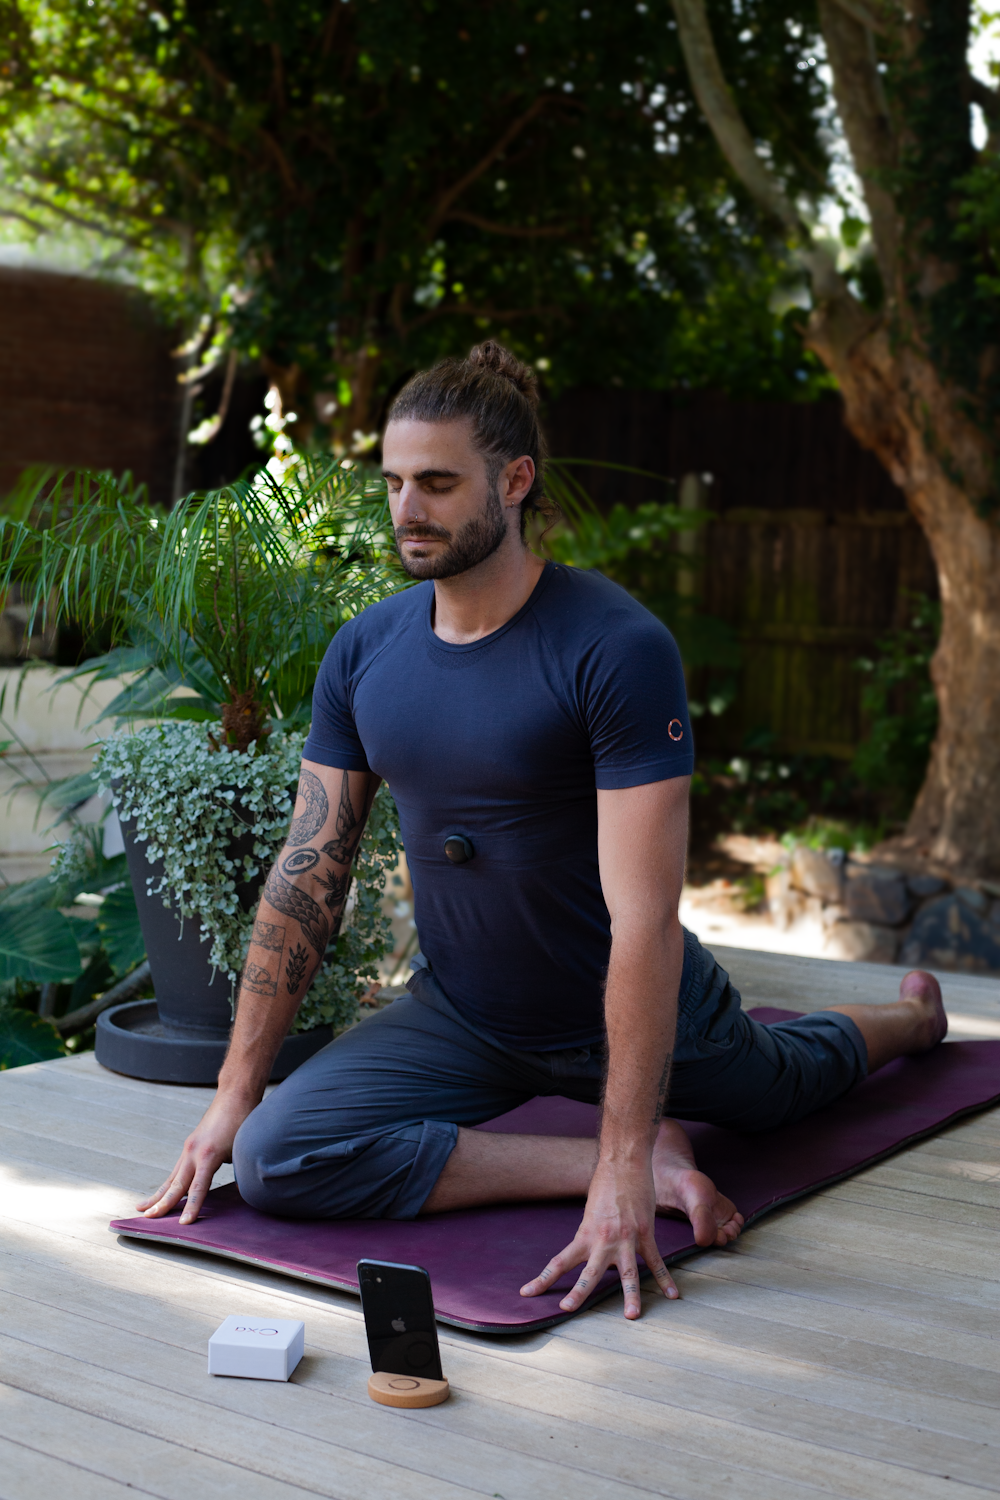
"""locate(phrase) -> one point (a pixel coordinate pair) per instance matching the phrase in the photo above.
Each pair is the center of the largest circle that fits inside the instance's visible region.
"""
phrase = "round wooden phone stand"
(406, 1390)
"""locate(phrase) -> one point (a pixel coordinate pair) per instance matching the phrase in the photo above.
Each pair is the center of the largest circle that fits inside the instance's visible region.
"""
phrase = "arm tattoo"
(341, 848)
(335, 886)
(661, 1093)
(287, 898)
(295, 969)
(260, 973)
(316, 810)
(300, 861)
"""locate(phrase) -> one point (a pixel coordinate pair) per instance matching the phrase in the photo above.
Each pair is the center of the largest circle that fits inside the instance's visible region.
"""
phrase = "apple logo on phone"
(398, 1325)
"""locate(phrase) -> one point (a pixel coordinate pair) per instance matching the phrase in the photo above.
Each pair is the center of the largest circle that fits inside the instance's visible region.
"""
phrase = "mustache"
(425, 531)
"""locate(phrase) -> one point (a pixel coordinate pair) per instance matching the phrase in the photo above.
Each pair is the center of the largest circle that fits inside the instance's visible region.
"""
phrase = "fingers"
(571, 1256)
(655, 1263)
(170, 1194)
(154, 1197)
(591, 1274)
(197, 1193)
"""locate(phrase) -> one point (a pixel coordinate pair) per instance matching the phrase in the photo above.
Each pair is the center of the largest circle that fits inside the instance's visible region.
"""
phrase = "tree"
(918, 362)
(345, 190)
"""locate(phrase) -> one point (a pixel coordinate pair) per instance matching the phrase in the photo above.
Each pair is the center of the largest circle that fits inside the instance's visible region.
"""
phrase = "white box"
(258, 1348)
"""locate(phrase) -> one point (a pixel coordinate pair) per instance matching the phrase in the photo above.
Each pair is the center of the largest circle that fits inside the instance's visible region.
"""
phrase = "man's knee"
(256, 1154)
(373, 1173)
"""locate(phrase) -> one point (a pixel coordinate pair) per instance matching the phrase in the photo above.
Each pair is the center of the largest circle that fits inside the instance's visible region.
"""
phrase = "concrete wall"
(53, 734)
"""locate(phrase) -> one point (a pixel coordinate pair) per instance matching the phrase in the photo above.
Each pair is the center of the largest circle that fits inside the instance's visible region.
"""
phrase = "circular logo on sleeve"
(675, 729)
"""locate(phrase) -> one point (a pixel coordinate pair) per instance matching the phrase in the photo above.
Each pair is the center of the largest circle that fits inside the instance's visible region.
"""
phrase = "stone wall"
(879, 913)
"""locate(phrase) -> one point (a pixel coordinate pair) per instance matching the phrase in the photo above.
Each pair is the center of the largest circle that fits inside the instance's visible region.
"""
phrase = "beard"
(471, 544)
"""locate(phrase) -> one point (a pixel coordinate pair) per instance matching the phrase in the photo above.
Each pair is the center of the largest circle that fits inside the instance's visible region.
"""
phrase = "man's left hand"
(616, 1228)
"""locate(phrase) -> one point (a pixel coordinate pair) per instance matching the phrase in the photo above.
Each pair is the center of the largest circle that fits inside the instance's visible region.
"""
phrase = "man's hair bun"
(489, 355)
(498, 394)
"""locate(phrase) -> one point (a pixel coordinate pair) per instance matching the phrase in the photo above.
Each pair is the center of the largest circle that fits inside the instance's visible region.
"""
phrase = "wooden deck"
(845, 1347)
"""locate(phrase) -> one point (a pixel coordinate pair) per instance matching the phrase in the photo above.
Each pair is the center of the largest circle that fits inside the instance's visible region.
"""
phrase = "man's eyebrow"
(426, 474)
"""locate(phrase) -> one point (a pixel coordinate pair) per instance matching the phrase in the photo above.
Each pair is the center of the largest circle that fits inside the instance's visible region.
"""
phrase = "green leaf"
(25, 1038)
(37, 944)
(118, 924)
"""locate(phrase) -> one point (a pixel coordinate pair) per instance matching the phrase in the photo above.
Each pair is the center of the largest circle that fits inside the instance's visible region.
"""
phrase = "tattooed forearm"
(300, 861)
(661, 1093)
(341, 848)
(316, 810)
(287, 898)
(336, 887)
(263, 965)
(295, 968)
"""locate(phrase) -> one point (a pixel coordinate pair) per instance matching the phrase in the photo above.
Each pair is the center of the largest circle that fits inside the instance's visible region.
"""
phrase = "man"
(531, 723)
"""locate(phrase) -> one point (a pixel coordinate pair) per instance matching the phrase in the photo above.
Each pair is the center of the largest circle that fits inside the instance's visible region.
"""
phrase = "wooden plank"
(794, 1242)
(886, 1439)
(907, 1204)
(310, 1427)
(195, 1282)
(65, 1338)
(26, 1473)
(109, 1451)
(907, 1239)
(954, 1187)
(128, 1173)
(826, 1278)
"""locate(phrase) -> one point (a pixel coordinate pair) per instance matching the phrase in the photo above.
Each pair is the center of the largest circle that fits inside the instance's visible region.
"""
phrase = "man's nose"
(409, 505)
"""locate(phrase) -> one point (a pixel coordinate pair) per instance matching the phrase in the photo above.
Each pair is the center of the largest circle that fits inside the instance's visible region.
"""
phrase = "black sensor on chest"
(458, 849)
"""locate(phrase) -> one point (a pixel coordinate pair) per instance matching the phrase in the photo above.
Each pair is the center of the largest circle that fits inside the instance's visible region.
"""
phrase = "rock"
(972, 897)
(948, 934)
(813, 873)
(785, 903)
(874, 893)
(862, 942)
(923, 886)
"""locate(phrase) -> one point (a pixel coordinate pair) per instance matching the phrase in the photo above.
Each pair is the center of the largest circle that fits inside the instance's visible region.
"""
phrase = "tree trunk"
(897, 405)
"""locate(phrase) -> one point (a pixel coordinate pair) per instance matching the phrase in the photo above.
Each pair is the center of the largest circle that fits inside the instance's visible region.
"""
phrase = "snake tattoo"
(287, 898)
(316, 811)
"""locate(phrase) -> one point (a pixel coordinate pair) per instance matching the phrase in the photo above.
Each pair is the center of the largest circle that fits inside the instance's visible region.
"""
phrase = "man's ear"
(520, 475)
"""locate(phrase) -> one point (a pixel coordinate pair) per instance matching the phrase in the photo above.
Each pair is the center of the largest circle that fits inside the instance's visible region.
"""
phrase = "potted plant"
(219, 613)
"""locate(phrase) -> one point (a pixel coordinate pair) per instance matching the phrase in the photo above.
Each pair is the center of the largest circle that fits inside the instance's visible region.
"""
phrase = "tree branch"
(447, 198)
(492, 228)
(737, 146)
(863, 16)
(84, 1016)
(857, 88)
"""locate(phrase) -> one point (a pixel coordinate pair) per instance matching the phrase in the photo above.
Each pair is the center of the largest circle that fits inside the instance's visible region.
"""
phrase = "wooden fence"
(810, 559)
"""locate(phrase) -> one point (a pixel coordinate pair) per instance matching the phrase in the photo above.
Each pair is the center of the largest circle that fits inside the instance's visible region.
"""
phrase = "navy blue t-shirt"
(506, 741)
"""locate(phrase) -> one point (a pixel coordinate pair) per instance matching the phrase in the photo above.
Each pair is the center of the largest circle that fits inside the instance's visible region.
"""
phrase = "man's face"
(446, 507)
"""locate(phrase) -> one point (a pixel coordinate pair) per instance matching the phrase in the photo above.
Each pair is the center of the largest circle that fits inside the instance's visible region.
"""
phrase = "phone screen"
(399, 1319)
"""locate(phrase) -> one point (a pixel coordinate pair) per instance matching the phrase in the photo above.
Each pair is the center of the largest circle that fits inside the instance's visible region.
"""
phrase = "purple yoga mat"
(478, 1258)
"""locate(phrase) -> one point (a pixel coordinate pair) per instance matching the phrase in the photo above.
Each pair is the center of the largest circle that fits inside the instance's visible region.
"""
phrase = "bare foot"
(922, 991)
(684, 1191)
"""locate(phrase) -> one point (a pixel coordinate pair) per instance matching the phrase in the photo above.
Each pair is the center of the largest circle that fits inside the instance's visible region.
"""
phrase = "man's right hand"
(208, 1146)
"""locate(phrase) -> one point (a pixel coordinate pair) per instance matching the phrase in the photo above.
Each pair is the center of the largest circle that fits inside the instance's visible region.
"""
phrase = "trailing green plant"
(213, 823)
(900, 708)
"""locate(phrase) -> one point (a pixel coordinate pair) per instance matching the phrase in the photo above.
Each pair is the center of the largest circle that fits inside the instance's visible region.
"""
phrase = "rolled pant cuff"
(437, 1142)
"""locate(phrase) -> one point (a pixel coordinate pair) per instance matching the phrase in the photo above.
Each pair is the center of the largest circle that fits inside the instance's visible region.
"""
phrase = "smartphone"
(399, 1319)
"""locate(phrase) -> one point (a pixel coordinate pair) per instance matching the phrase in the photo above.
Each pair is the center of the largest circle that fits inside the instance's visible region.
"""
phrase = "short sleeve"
(333, 736)
(635, 705)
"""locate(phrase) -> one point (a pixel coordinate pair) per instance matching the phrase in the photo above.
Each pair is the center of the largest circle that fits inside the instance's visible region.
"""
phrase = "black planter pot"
(183, 1035)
